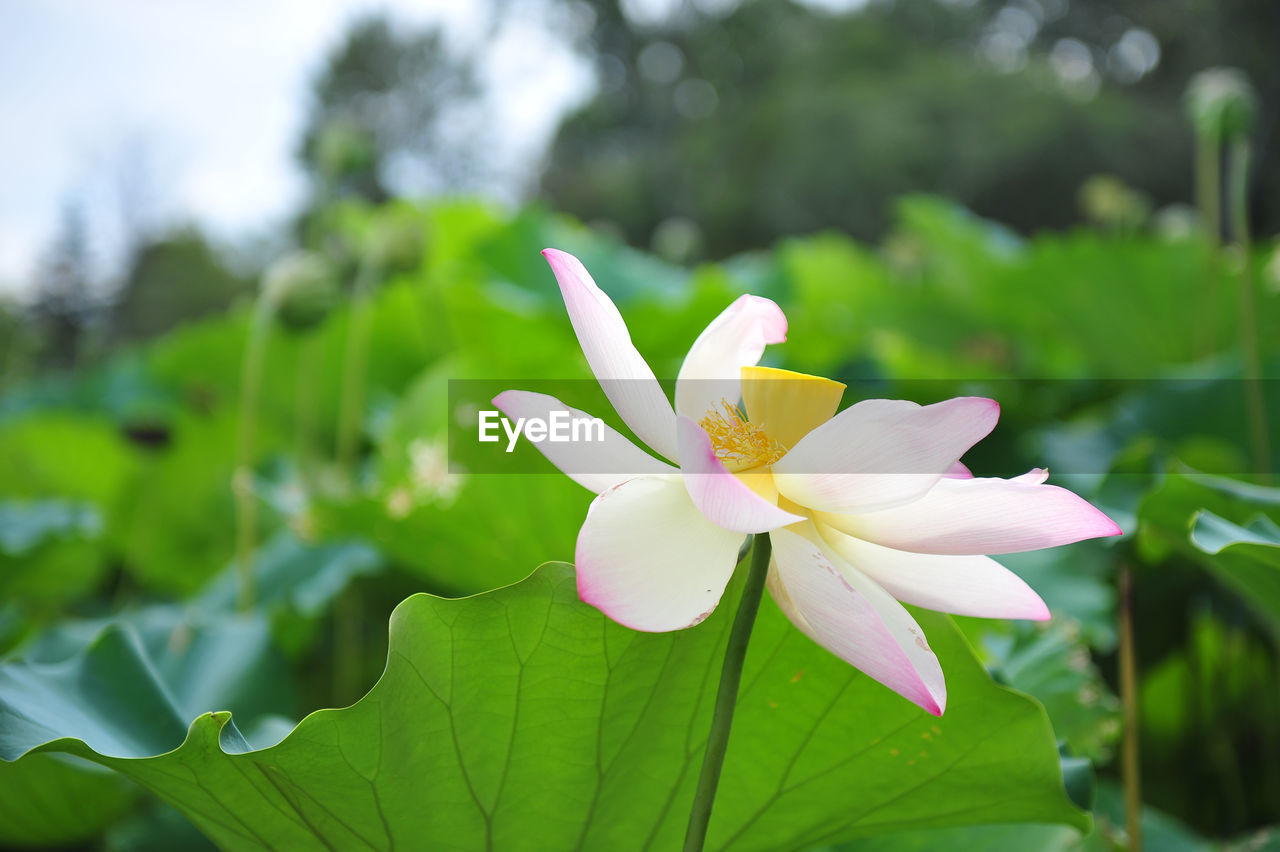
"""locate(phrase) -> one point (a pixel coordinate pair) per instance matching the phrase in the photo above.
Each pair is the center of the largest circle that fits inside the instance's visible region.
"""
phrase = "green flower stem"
(1130, 764)
(1208, 182)
(1209, 201)
(307, 378)
(351, 402)
(727, 695)
(242, 476)
(1254, 396)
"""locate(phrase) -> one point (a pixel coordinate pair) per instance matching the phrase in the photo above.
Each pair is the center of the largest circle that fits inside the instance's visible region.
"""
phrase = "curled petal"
(623, 374)
(598, 465)
(788, 405)
(1035, 476)
(735, 339)
(648, 559)
(963, 585)
(881, 453)
(726, 500)
(851, 616)
(982, 515)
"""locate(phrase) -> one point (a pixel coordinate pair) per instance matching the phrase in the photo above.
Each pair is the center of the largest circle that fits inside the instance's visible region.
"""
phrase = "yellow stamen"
(739, 443)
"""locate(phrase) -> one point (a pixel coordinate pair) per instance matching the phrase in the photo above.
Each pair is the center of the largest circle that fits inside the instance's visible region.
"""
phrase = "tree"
(772, 118)
(381, 114)
(63, 308)
(172, 279)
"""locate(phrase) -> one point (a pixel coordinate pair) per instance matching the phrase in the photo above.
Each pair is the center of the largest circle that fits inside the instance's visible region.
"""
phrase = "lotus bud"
(302, 289)
(1221, 104)
(395, 242)
(344, 148)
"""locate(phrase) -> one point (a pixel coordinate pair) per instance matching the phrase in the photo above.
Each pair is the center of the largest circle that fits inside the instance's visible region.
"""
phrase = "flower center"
(739, 443)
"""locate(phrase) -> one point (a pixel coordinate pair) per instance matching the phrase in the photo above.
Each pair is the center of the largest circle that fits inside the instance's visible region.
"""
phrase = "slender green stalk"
(727, 695)
(1208, 186)
(1254, 395)
(354, 367)
(309, 351)
(1130, 767)
(1209, 201)
(242, 477)
(348, 652)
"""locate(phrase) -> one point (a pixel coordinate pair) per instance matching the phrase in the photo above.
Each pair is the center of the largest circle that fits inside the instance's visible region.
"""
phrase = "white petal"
(881, 453)
(712, 370)
(623, 374)
(598, 465)
(647, 558)
(854, 618)
(964, 585)
(982, 515)
(725, 499)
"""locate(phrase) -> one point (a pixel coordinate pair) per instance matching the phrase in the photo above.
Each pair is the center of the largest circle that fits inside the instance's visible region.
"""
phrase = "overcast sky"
(209, 96)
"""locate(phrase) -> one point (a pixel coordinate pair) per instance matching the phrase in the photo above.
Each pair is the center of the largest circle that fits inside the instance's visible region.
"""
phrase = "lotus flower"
(865, 507)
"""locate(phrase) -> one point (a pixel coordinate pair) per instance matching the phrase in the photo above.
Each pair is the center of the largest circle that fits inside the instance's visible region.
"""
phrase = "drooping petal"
(788, 405)
(881, 453)
(982, 515)
(851, 616)
(711, 372)
(623, 374)
(964, 585)
(725, 499)
(648, 559)
(598, 465)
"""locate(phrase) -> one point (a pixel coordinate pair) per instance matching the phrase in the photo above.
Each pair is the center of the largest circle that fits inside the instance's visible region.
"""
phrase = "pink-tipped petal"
(851, 616)
(959, 471)
(718, 494)
(623, 374)
(963, 585)
(982, 516)
(712, 370)
(881, 453)
(597, 465)
(648, 559)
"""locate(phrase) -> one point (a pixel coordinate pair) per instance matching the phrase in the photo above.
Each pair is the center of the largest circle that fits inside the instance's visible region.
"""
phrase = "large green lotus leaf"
(292, 576)
(625, 274)
(27, 524)
(1159, 832)
(1227, 525)
(1075, 583)
(205, 660)
(523, 719)
(200, 659)
(1051, 662)
(1247, 557)
(48, 552)
(1017, 837)
(57, 800)
(58, 455)
(172, 523)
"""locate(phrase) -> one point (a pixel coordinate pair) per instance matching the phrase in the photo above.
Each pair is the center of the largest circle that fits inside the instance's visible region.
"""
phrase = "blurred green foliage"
(723, 127)
(1116, 354)
(117, 503)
